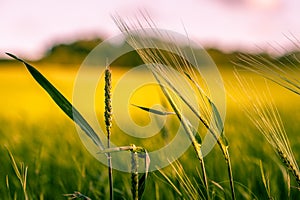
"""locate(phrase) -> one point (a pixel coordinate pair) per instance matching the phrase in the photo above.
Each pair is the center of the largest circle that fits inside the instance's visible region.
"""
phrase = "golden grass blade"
(187, 188)
(169, 181)
(265, 180)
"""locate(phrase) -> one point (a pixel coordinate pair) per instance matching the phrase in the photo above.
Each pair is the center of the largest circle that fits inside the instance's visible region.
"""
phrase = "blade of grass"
(158, 112)
(62, 102)
(265, 180)
(143, 177)
(20, 173)
(189, 132)
(7, 186)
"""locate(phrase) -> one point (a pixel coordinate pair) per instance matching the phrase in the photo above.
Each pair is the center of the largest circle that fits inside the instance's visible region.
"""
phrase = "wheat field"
(39, 134)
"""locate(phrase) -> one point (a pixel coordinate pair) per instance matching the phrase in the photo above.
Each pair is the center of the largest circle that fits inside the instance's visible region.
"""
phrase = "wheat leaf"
(62, 102)
(215, 112)
(15, 166)
(158, 112)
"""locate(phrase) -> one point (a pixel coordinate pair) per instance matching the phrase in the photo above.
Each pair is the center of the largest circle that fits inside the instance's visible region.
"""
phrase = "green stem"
(189, 132)
(110, 177)
(229, 169)
(201, 160)
(134, 175)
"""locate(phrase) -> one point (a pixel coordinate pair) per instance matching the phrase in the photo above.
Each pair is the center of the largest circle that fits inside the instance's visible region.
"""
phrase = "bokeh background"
(30, 27)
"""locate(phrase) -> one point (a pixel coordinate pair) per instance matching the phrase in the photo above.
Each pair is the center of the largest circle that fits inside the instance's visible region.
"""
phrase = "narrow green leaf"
(20, 173)
(142, 184)
(172, 183)
(262, 173)
(219, 124)
(194, 131)
(158, 112)
(217, 185)
(15, 166)
(145, 155)
(62, 102)
(217, 118)
(7, 183)
(216, 115)
(25, 177)
(264, 179)
(143, 177)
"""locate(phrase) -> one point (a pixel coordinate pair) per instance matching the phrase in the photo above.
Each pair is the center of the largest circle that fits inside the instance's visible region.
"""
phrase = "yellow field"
(21, 95)
(40, 134)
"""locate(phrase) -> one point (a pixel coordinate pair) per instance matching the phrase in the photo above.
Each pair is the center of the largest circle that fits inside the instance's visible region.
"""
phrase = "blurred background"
(30, 28)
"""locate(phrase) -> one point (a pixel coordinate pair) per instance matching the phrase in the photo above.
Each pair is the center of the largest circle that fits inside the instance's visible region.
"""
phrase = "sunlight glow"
(265, 4)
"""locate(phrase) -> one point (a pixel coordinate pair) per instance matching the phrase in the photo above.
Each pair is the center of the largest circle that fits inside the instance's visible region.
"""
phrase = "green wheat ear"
(108, 102)
(274, 70)
(266, 118)
(157, 60)
(108, 124)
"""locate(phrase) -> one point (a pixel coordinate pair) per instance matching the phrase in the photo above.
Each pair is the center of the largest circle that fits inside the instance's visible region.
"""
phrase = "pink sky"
(29, 27)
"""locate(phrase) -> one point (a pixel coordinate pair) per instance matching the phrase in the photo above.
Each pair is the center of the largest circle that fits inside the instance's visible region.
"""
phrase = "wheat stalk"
(134, 175)
(138, 183)
(261, 110)
(153, 56)
(157, 59)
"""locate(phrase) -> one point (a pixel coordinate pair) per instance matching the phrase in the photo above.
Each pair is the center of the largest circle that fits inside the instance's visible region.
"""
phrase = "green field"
(39, 134)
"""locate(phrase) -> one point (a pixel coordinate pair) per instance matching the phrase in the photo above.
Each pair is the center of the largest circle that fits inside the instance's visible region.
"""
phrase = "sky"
(29, 27)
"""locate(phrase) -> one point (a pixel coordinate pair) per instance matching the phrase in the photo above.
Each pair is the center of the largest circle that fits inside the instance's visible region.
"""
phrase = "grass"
(159, 60)
(189, 177)
(21, 173)
(284, 74)
(261, 110)
(59, 164)
(138, 183)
